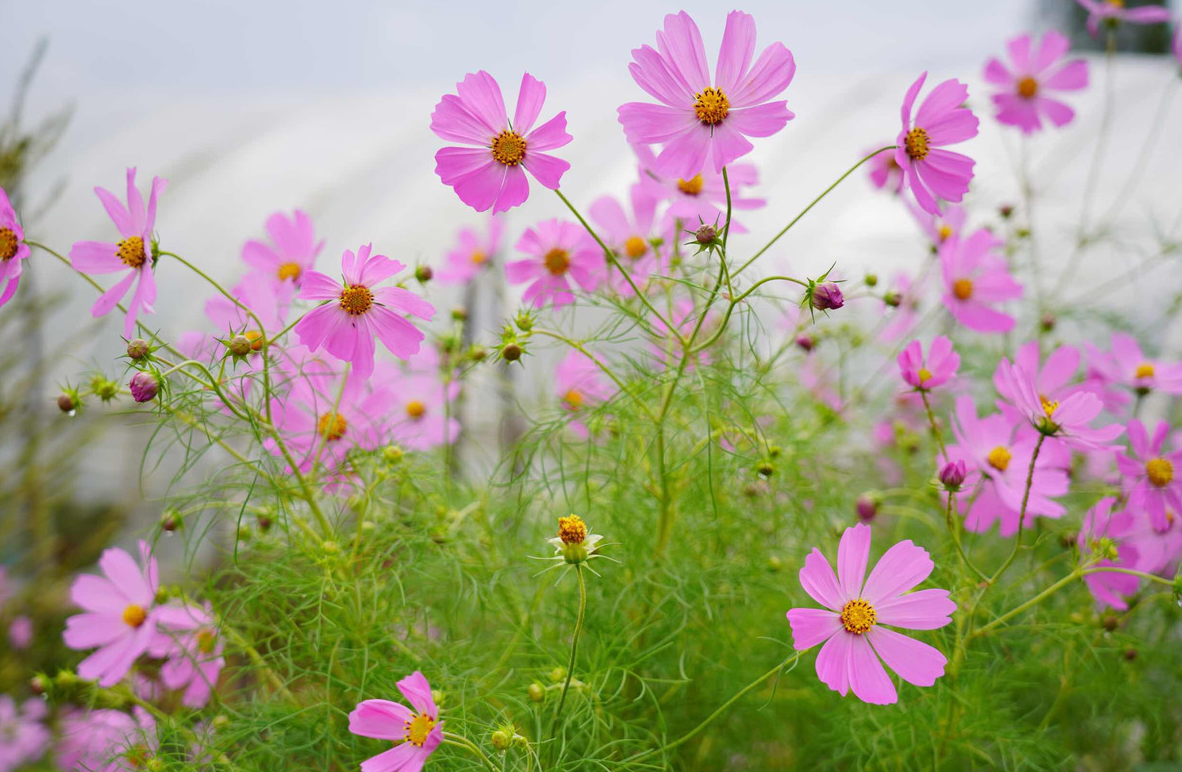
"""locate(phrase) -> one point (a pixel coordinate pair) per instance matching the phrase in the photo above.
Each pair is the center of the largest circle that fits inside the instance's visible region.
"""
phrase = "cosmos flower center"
(289, 271)
(8, 243)
(692, 186)
(858, 616)
(415, 409)
(478, 258)
(205, 641)
(508, 148)
(418, 728)
(1027, 87)
(1145, 370)
(557, 261)
(711, 106)
(924, 374)
(1160, 472)
(635, 247)
(573, 398)
(131, 252)
(999, 458)
(134, 615)
(916, 144)
(356, 300)
(945, 232)
(572, 529)
(962, 288)
(1116, 3)
(1049, 406)
(332, 426)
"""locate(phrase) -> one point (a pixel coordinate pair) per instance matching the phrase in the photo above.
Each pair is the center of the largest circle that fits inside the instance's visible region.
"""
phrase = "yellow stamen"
(1049, 406)
(478, 258)
(711, 106)
(572, 529)
(557, 261)
(289, 271)
(8, 243)
(944, 232)
(131, 252)
(256, 339)
(858, 616)
(418, 728)
(1145, 370)
(1116, 3)
(962, 288)
(415, 409)
(332, 426)
(573, 398)
(508, 148)
(134, 615)
(1160, 472)
(206, 641)
(916, 144)
(635, 247)
(924, 374)
(692, 186)
(1027, 87)
(999, 458)
(356, 300)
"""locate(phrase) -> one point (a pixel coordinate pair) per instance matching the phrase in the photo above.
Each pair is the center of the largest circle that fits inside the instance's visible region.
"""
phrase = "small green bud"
(501, 740)
(240, 346)
(536, 692)
(775, 564)
(477, 353)
(154, 765)
(264, 523)
(104, 388)
(38, 684)
(171, 520)
(424, 274)
(459, 314)
(65, 678)
(893, 299)
(330, 547)
(391, 454)
(220, 721)
(871, 280)
(558, 675)
(524, 321)
(67, 402)
(766, 469)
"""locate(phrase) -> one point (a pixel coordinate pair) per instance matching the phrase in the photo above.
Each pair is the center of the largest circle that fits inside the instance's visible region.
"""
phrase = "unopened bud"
(536, 692)
(424, 274)
(952, 475)
(866, 507)
(144, 386)
(459, 314)
(705, 234)
(511, 353)
(171, 521)
(871, 280)
(1005, 210)
(138, 348)
(827, 297)
(240, 346)
(806, 342)
(892, 299)
(501, 740)
(66, 402)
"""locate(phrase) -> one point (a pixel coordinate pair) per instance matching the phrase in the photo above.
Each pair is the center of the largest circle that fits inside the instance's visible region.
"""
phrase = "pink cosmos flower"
(701, 199)
(1109, 588)
(928, 170)
(472, 254)
(119, 614)
(1052, 379)
(292, 251)
(135, 224)
(359, 311)
(1149, 473)
(23, 736)
(1068, 419)
(704, 123)
(13, 249)
(422, 409)
(418, 731)
(1127, 366)
(189, 639)
(926, 374)
(1111, 13)
(976, 278)
(630, 235)
(106, 740)
(884, 171)
(852, 628)
(491, 175)
(581, 384)
(940, 227)
(20, 633)
(559, 251)
(903, 308)
(1022, 100)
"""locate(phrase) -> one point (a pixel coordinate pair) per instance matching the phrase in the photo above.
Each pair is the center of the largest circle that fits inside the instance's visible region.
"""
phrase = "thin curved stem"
(460, 741)
(574, 644)
(1022, 512)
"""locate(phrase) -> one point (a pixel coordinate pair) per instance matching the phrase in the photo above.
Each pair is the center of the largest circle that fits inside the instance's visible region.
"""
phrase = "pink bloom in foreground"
(135, 224)
(1052, 378)
(559, 251)
(417, 731)
(472, 253)
(1109, 587)
(106, 740)
(1151, 474)
(291, 253)
(928, 170)
(976, 279)
(23, 736)
(1036, 70)
(13, 249)
(491, 175)
(359, 310)
(940, 365)
(704, 123)
(630, 235)
(1068, 419)
(119, 615)
(193, 646)
(852, 627)
(884, 171)
(1111, 13)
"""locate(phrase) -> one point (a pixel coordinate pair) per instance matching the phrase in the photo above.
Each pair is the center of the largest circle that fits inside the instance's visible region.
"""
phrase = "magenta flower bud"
(952, 475)
(705, 234)
(144, 387)
(806, 342)
(867, 507)
(827, 297)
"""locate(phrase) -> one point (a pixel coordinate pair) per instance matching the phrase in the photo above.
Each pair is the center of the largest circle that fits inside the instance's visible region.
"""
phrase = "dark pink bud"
(867, 507)
(144, 387)
(827, 297)
(952, 475)
(806, 342)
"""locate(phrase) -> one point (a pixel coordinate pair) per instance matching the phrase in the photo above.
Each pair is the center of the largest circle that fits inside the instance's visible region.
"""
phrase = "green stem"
(460, 741)
(574, 644)
(936, 433)
(1021, 513)
(954, 529)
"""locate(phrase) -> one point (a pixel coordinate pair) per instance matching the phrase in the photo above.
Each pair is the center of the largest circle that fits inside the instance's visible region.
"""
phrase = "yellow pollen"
(916, 144)
(1116, 3)
(134, 615)
(574, 398)
(1027, 87)
(8, 243)
(572, 529)
(711, 106)
(962, 288)
(1160, 472)
(131, 252)
(356, 300)
(256, 339)
(205, 641)
(924, 374)
(415, 409)
(999, 458)
(557, 261)
(508, 148)
(635, 247)
(1144, 370)
(478, 258)
(692, 186)
(944, 232)
(332, 426)
(418, 728)
(289, 271)
(858, 616)
(1049, 406)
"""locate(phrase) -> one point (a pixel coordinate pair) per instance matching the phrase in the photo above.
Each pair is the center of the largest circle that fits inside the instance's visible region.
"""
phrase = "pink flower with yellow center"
(1111, 13)
(940, 228)
(1037, 72)
(291, 253)
(936, 369)
(1153, 476)
(928, 170)
(561, 255)
(1127, 366)
(580, 384)
(701, 198)
(13, 249)
(472, 254)
(422, 403)
(23, 735)
(192, 643)
(132, 254)
(1068, 419)
(417, 729)
(976, 279)
(106, 740)
(634, 236)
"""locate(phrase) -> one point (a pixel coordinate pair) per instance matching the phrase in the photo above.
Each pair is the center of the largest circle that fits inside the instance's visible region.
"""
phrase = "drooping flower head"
(1068, 419)
(359, 311)
(1110, 14)
(928, 170)
(884, 171)
(937, 369)
(856, 609)
(192, 643)
(13, 249)
(634, 236)
(976, 279)
(118, 614)
(1153, 476)
(1036, 72)
(472, 253)
(132, 254)
(560, 253)
(291, 253)
(418, 732)
(23, 736)
(491, 175)
(704, 123)
(106, 740)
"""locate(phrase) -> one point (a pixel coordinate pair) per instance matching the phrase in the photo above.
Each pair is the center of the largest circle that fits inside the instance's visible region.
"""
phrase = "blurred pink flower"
(939, 366)
(940, 227)
(106, 740)
(630, 235)
(1068, 419)
(1111, 13)
(13, 249)
(559, 251)
(903, 311)
(1023, 100)
(975, 280)
(291, 253)
(23, 736)
(1152, 482)
(119, 614)
(491, 175)
(884, 171)
(422, 411)
(1109, 587)
(1176, 45)
(190, 640)
(472, 253)
(858, 606)
(132, 254)
(1052, 379)
(20, 632)
(580, 384)
(700, 199)
(929, 171)
(703, 123)
(418, 732)
(1127, 366)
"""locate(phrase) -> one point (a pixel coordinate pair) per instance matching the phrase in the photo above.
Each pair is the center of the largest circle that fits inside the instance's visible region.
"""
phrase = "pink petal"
(646, 123)
(811, 626)
(380, 719)
(396, 333)
(394, 760)
(530, 98)
(899, 569)
(551, 135)
(833, 662)
(853, 553)
(453, 121)
(771, 74)
(919, 610)
(682, 45)
(86, 631)
(868, 680)
(123, 572)
(817, 579)
(117, 212)
(1070, 77)
(738, 47)
(96, 257)
(915, 662)
(317, 286)
(759, 121)
(547, 169)
(515, 188)
(482, 97)
(417, 690)
(94, 593)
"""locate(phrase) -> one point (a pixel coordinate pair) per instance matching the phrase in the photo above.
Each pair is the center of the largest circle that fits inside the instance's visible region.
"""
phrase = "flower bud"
(827, 297)
(66, 402)
(104, 388)
(705, 234)
(144, 386)
(524, 321)
(805, 342)
(391, 454)
(766, 469)
(892, 299)
(37, 684)
(775, 564)
(536, 692)
(871, 280)
(1109, 622)
(501, 740)
(1047, 322)
(171, 520)
(459, 314)
(264, 523)
(866, 507)
(240, 346)
(424, 274)
(1130, 654)
(952, 475)
(477, 353)
(138, 349)
(558, 675)
(511, 352)
(1005, 210)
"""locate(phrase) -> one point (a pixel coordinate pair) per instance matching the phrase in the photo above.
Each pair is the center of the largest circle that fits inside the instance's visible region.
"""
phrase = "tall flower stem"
(935, 427)
(574, 644)
(1021, 513)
